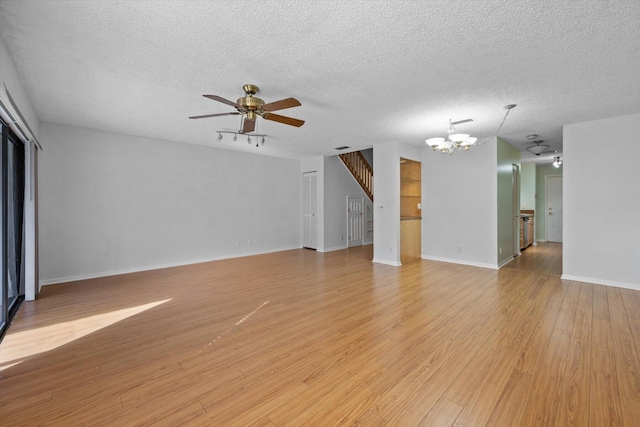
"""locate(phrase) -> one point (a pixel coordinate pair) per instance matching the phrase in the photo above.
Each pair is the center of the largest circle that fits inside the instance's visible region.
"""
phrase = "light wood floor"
(544, 258)
(301, 338)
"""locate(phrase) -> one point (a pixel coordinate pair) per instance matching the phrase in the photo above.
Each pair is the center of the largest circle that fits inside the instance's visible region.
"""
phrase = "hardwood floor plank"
(444, 413)
(625, 353)
(510, 408)
(306, 338)
(540, 411)
(573, 408)
(604, 400)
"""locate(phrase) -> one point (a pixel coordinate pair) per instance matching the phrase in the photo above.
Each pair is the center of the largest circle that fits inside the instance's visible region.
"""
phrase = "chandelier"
(454, 141)
(461, 141)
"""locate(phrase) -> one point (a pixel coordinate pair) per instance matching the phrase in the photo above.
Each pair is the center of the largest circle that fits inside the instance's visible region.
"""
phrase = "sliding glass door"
(12, 230)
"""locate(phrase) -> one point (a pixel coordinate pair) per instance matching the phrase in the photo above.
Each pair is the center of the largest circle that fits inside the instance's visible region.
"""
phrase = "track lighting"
(557, 161)
(262, 137)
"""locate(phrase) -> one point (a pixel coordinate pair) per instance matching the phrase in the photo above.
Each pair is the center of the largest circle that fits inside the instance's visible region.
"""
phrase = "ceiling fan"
(250, 107)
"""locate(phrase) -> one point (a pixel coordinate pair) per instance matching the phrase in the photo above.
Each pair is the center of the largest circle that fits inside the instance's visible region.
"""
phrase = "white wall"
(601, 233)
(113, 203)
(386, 197)
(459, 199)
(10, 78)
(338, 184)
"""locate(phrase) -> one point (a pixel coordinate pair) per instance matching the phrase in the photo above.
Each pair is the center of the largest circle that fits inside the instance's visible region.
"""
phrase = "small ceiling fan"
(250, 107)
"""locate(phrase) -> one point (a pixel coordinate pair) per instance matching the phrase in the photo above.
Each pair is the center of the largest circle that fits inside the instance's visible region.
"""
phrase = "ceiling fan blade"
(224, 101)
(248, 125)
(282, 119)
(281, 105)
(215, 115)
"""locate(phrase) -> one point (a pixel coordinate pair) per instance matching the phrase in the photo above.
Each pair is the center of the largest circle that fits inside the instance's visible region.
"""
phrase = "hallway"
(544, 258)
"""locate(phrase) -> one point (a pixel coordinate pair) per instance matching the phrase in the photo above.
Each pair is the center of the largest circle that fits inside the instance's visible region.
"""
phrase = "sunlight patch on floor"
(22, 344)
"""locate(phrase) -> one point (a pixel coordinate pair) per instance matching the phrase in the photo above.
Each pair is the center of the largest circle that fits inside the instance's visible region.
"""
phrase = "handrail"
(360, 169)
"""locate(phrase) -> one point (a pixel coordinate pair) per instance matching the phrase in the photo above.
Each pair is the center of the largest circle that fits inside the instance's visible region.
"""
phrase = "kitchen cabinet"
(526, 228)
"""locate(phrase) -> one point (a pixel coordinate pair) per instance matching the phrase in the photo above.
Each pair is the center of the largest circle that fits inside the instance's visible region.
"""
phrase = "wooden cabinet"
(410, 210)
(410, 189)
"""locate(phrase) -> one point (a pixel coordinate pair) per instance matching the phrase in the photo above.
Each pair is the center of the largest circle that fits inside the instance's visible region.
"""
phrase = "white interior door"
(309, 210)
(553, 208)
(355, 220)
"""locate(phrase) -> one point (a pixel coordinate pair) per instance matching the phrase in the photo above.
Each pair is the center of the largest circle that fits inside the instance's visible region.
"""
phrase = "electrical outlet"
(249, 242)
(459, 249)
(238, 243)
(341, 237)
(501, 250)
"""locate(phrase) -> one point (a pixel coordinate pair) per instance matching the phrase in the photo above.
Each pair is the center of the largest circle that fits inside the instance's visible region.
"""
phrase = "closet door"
(309, 210)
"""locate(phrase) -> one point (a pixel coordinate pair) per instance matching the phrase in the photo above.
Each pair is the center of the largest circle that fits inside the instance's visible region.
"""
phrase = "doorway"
(553, 208)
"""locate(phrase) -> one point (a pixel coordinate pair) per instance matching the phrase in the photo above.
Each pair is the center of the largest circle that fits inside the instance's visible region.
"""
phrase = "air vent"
(459, 122)
(344, 147)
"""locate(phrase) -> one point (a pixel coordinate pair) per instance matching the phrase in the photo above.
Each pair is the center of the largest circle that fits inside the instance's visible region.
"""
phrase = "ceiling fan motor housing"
(250, 104)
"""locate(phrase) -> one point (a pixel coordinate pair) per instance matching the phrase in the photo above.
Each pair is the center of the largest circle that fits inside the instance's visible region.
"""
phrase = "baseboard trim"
(506, 261)
(386, 262)
(335, 248)
(79, 277)
(595, 281)
(463, 262)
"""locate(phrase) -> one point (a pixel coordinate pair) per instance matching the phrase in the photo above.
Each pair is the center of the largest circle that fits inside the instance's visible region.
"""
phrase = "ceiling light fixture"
(538, 149)
(461, 141)
(454, 141)
(235, 136)
(557, 161)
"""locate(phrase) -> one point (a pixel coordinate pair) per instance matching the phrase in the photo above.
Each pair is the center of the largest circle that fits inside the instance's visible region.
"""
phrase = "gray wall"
(113, 203)
(459, 200)
(601, 234)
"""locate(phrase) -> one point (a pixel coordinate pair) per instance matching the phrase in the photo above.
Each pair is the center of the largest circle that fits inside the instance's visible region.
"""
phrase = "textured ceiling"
(366, 72)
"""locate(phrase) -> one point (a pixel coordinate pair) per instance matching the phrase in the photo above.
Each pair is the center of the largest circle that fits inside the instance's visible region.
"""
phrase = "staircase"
(360, 169)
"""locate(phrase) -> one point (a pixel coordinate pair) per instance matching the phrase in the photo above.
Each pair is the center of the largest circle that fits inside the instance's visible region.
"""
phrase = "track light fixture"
(557, 161)
(235, 136)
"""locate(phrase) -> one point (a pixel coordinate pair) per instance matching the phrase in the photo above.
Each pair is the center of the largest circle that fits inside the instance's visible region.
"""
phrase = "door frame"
(515, 208)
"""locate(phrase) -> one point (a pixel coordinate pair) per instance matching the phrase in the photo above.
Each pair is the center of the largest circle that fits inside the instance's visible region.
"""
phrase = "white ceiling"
(366, 72)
